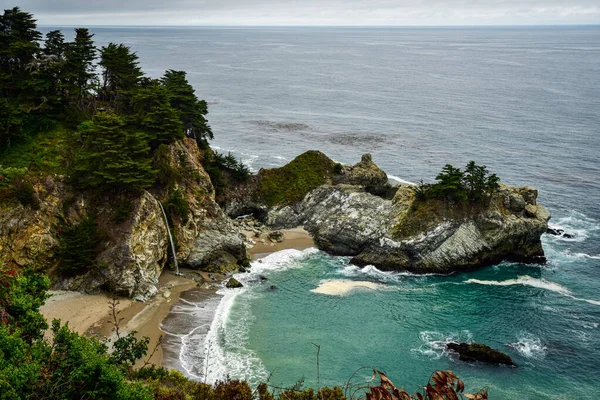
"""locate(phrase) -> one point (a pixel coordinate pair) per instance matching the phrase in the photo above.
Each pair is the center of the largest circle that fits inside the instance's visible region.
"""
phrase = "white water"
(240, 361)
(342, 287)
(538, 283)
(170, 239)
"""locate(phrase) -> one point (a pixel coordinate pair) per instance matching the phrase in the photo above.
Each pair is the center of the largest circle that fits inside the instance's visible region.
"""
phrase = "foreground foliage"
(72, 366)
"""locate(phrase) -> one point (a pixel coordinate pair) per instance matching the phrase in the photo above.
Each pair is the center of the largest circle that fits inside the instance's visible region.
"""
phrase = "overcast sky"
(310, 12)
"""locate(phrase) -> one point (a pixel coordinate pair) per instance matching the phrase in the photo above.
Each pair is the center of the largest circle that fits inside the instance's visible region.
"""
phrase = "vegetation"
(177, 205)
(49, 87)
(474, 184)
(224, 169)
(71, 366)
(290, 183)
(455, 195)
(77, 246)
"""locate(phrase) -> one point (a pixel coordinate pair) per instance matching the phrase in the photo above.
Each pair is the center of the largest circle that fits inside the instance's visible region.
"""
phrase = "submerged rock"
(479, 352)
(233, 284)
(559, 232)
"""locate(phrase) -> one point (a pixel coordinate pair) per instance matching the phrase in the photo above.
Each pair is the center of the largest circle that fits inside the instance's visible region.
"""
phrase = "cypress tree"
(192, 111)
(154, 114)
(121, 73)
(79, 74)
(112, 157)
(18, 92)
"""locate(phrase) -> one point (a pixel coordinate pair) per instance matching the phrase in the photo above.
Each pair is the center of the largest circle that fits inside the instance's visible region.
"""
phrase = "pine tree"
(191, 110)
(450, 184)
(79, 73)
(112, 157)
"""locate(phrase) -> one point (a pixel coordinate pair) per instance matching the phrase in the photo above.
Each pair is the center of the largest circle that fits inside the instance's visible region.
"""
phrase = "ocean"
(523, 101)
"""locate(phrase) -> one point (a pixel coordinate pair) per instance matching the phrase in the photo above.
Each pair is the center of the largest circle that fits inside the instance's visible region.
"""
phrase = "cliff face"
(133, 249)
(358, 214)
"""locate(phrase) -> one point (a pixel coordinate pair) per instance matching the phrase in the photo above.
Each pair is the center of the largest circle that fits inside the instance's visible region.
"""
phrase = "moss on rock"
(290, 183)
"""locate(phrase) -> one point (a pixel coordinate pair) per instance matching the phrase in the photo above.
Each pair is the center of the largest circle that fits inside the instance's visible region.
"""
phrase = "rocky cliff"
(133, 248)
(356, 212)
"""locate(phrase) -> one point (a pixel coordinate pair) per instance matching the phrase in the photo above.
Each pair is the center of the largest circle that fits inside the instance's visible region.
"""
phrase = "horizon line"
(327, 26)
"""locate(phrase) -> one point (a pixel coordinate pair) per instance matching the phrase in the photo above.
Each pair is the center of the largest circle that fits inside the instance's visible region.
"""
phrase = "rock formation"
(479, 352)
(353, 214)
(132, 252)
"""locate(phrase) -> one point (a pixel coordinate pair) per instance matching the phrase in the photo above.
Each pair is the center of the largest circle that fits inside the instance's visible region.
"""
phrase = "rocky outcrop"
(422, 236)
(367, 175)
(472, 352)
(133, 248)
(206, 238)
(233, 283)
(131, 257)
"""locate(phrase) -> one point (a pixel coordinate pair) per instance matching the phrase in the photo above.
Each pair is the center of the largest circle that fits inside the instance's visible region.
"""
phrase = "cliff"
(356, 212)
(133, 244)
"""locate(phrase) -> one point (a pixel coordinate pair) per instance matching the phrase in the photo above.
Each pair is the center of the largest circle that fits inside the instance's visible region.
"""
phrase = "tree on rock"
(191, 110)
(111, 156)
(121, 73)
(154, 114)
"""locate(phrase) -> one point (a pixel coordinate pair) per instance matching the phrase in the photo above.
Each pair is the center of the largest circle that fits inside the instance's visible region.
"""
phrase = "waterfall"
(170, 239)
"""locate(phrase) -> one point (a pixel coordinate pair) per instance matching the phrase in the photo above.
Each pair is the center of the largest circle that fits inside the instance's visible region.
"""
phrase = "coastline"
(90, 314)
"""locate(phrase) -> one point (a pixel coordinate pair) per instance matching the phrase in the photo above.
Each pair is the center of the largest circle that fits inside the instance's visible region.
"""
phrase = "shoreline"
(90, 314)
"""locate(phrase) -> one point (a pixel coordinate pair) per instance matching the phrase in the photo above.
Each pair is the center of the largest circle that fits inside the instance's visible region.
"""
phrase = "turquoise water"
(542, 317)
(524, 101)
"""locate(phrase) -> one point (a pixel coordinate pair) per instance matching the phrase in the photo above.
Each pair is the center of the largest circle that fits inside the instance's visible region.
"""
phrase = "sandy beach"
(90, 314)
(297, 238)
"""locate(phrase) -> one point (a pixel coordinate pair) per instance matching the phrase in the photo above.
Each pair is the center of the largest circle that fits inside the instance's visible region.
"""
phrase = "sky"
(310, 12)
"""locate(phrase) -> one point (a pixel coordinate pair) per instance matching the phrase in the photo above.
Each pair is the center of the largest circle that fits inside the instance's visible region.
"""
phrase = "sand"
(297, 238)
(90, 314)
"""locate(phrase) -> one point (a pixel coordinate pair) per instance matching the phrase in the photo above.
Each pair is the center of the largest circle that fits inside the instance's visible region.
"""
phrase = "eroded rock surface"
(422, 236)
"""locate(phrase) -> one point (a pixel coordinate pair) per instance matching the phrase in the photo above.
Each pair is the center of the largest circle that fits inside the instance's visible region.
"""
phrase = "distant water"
(523, 101)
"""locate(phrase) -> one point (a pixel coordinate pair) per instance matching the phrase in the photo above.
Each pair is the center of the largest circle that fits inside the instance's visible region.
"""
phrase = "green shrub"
(25, 192)
(290, 183)
(123, 210)
(77, 246)
(337, 168)
(177, 205)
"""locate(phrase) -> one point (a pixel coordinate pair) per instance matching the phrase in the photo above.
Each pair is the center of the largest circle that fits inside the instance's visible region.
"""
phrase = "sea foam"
(341, 287)
(527, 280)
(529, 346)
(238, 360)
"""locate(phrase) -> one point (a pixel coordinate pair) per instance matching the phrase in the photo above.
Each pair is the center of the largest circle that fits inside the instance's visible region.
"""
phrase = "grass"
(44, 153)
(290, 183)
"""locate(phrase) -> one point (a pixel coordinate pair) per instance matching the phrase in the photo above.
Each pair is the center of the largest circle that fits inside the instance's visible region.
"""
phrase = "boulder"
(276, 236)
(559, 232)
(479, 352)
(233, 284)
(365, 174)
